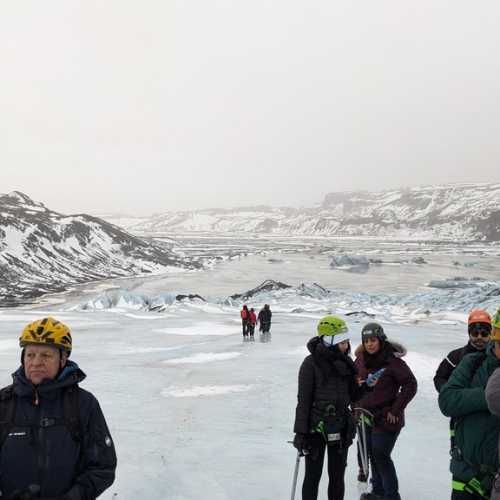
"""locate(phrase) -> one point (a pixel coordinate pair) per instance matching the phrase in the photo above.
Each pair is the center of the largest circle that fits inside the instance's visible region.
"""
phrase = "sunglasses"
(479, 330)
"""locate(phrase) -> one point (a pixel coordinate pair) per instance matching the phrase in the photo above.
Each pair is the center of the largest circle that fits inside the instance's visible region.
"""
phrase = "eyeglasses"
(475, 331)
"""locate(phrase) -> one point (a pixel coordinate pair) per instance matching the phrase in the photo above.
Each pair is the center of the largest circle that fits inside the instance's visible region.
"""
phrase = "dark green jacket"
(476, 430)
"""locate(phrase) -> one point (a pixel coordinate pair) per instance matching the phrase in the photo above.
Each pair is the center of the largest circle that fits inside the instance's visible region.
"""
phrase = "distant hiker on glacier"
(474, 457)
(264, 319)
(54, 441)
(323, 420)
(479, 333)
(245, 320)
(396, 387)
(251, 322)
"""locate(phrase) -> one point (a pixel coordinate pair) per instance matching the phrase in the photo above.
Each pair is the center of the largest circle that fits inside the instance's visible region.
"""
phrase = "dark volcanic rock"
(266, 286)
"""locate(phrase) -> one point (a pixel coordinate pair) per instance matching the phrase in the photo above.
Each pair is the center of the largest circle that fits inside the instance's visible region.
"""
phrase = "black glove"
(30, 493)
(302, 443)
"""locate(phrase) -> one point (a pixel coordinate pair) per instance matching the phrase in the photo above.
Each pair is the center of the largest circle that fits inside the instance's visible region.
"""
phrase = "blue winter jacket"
(41, 450)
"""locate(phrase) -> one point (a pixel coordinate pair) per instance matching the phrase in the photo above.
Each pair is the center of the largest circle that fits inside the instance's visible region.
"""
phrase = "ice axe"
(296, 472)
(362, 442)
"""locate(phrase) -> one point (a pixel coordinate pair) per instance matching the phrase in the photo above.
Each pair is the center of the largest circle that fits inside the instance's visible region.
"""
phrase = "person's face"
(479, 335)
(42, 363)
(372, 344)
(343, 346)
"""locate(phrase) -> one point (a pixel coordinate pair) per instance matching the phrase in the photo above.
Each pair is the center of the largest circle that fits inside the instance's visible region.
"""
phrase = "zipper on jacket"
(39, 432)
(36, 399)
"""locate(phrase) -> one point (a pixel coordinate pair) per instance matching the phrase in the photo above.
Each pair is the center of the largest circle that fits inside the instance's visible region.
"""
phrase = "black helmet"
(373, 330)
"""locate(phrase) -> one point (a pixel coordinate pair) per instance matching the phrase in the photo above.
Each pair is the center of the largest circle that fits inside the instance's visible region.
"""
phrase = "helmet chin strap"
(327, 340)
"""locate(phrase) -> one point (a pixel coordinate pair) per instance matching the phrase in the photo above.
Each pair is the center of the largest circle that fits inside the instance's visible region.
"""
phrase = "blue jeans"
(384, 478)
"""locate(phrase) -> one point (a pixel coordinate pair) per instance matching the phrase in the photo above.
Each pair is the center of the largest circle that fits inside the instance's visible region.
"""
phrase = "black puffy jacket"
(41, 450)
(446, 367)
(326, 377)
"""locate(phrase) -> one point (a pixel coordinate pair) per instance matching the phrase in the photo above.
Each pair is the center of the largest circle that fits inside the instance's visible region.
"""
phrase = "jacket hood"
(330, 361)
(314, 345)
(399, 350)
(70, 375)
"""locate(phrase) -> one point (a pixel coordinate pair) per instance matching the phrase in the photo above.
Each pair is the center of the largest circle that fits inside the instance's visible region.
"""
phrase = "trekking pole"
(295, 472)
(362, 447)
(295, 475)
(362, 444)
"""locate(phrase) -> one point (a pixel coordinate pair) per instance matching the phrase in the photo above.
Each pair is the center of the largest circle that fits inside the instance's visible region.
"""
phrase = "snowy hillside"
(449, 212)
(42, 250)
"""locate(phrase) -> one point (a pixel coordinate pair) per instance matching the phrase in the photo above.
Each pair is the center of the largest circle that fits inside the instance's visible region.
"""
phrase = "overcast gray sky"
(130, 106)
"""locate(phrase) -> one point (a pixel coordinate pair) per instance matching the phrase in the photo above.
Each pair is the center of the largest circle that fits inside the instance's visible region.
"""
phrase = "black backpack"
(71, 410)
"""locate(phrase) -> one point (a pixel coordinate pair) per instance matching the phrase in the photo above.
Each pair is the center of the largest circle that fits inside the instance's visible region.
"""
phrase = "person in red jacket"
(396, 387)
(245, 320)
(252, 321)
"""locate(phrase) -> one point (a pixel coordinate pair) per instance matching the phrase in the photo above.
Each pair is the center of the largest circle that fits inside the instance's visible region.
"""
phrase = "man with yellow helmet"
(493, 397)
(495, 325)
(474, 456)
(54, 441)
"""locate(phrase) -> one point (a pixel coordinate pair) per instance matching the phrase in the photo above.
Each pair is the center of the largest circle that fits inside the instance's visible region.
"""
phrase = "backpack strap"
(71, 409)
(7, 411)
(477, 363)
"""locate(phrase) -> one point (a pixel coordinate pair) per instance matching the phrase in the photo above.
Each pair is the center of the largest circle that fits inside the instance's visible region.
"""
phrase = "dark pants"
(244, 325)
(384, 478)
(265, 326)
(337, 461)
(251, 328)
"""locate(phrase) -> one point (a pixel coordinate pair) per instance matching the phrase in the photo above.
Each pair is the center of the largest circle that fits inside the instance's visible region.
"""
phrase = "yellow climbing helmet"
(47, 331)
(495, 324)
(331, 325)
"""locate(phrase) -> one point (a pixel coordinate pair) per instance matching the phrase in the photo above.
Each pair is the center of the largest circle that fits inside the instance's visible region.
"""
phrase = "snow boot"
(370, 496)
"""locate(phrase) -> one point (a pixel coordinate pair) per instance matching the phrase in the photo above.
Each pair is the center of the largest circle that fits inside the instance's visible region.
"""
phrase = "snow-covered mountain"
(42, 250)
(460, 212)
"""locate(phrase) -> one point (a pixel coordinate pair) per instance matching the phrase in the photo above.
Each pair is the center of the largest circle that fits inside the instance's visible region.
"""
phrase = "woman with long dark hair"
(396, 386)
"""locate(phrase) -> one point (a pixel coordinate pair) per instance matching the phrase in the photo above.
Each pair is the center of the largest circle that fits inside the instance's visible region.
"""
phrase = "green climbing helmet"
(332, 330)
(331, 325)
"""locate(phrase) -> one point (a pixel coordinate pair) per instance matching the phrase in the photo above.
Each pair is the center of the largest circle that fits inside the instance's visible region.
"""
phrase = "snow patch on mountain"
(456, 212)
(43, 251)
